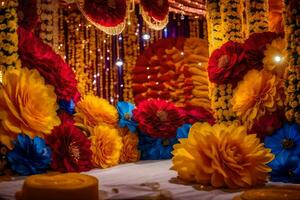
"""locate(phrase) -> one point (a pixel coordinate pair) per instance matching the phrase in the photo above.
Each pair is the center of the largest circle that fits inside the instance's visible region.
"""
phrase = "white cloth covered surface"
(126, 182)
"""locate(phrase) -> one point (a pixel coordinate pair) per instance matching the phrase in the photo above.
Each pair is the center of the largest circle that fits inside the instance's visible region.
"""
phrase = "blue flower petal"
(183, 131)
(29, 156)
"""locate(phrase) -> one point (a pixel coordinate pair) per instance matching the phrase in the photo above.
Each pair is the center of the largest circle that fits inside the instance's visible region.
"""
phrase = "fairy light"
(119, 62)
(146, 36)
(278, 59)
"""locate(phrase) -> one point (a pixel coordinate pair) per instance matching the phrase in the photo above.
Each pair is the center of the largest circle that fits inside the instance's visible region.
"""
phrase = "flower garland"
(8, 37)
(231, 15)
(214, 23)
(292, 32)
(257, 16)
(132, 49)
(48, 11)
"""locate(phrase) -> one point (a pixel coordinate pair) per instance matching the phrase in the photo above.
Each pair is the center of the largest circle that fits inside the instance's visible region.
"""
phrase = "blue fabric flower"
(155, 148)
(285, 141)
(125, 114)
(29, 156)
(285, 169)
(183, 131)
(285, 144)
(68, 106)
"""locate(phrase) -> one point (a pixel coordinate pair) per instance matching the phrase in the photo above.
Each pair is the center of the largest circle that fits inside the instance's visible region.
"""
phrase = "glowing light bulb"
(119, 62)
(278, 59)
(146, 36)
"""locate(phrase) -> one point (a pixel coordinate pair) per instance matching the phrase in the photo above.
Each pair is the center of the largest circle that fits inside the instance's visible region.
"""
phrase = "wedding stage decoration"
(225, 112)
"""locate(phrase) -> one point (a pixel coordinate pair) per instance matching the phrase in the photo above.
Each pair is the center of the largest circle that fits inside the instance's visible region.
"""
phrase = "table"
(134, 181)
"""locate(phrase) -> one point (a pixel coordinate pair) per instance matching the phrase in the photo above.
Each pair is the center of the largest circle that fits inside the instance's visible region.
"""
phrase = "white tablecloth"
(128, 181)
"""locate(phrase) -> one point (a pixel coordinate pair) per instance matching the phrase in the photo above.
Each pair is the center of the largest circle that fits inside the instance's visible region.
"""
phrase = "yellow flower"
(27, 105)
(276, 57)
(221, 156)
(92, 111)
(130, 152)
(106, 145)
(259, 92)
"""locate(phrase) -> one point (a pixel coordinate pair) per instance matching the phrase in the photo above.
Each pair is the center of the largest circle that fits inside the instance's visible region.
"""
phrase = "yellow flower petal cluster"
(92, 111)
(130, 152)
(27, 105)
(276, 57)
(221, 156)
(259, 92)
(106, 145)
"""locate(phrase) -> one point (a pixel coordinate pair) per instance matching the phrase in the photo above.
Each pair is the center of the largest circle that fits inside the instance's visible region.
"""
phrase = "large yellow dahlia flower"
(221, 156)
(276, 57)
(106, 145)
(259, 92)
(92, 111)
(27, 105)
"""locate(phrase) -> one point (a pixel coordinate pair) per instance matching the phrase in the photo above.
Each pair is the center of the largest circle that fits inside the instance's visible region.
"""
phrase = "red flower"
(197, 114)
(70, 147)
(255, 46)
(227, 64)
(158, 9)
(35, 54)
(158, 118)
(267, 124)
(106, 12)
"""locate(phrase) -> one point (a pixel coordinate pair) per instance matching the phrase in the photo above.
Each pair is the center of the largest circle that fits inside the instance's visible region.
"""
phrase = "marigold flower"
(27, 105)
(259, 92)
(221, 156)
(130, 152)
(106, 146)
(92, 111)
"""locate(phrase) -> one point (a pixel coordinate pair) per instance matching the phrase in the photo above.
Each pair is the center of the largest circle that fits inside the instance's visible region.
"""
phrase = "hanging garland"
(8, 36)
(214, 24)
(155, 13)
(109, 15)
(257, 16)
(292, 30)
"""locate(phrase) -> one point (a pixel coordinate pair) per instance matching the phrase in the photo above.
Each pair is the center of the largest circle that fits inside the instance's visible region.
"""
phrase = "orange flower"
(27, 105)
(92, 111)
(258, 93)
(130, 152)
(222, 156)
(106, 145)
(276, 57)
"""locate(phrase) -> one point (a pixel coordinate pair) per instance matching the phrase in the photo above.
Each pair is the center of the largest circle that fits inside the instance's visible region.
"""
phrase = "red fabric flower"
(35, 54)
(158, 9)
(158, 118)
(107, 13)
(267, 124)
(195, 114)
(255, 46)
(70, 147)
(227, 64)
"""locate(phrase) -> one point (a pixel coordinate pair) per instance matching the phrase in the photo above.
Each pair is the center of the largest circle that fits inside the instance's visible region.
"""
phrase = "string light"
(119, 62)
(146, 36)
(277, 59)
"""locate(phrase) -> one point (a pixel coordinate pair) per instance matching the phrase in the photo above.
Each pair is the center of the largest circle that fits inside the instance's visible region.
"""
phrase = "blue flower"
(285, 169)
(285, 144)
(68, 106)
(125, 114)
(183, 131)
(285, 141)
(155, 148)
(29, 156)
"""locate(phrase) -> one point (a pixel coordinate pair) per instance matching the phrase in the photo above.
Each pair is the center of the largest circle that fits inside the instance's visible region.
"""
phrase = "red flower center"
(74, 151)
(223, 61)
(160, 3)
(162, 115)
